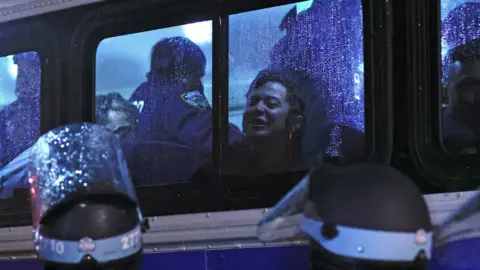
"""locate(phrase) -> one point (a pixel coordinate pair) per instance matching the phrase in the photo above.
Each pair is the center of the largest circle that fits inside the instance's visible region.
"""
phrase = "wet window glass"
(296, 86)
(153, 89)
(20, 80)
(461, 76)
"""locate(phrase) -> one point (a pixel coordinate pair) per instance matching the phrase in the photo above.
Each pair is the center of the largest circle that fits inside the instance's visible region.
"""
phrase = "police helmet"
(84, 207)
(457, 239)
(363, 216)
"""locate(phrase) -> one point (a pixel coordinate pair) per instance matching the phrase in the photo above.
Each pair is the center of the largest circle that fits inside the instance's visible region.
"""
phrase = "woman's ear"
(296, 121)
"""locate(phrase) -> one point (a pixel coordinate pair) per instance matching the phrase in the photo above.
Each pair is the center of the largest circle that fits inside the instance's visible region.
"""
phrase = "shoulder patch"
(196, 99)
(139, 104)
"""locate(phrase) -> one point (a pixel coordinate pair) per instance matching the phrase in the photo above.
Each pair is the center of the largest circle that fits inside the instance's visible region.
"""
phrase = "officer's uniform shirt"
(173, 132)
(170, 113)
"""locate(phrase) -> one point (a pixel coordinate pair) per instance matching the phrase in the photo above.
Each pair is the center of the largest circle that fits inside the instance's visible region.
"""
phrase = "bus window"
(296, 86)
(20, 80)
(153, 89)
(461, 76)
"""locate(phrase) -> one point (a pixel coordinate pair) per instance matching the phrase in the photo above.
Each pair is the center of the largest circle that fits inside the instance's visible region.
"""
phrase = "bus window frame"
(116, 19)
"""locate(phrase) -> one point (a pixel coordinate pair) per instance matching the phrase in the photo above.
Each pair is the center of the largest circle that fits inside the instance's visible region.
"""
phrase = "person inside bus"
(273, 122)
(20, 120)
(175, 121)
(172, 103)
(273, 127)
(111, 110)
(118, 115)
(461, 127)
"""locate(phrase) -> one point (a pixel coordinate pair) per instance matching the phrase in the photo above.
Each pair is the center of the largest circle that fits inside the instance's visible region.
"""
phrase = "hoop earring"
(290, 146)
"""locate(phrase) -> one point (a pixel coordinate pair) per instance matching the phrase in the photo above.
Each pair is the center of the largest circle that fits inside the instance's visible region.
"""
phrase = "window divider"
(220, 77)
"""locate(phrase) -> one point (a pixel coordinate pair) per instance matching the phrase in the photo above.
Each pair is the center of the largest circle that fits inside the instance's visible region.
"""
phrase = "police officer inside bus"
(172, 103)
(175, 119)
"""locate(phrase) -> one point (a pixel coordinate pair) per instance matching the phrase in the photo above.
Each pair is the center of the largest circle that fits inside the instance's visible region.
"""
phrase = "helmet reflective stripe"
(370, 244)
(103, 250)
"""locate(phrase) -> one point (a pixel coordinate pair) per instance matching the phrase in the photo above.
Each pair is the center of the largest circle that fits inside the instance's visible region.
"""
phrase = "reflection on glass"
(461, 76)
(296, 86)
(20, 80)
(153, 90)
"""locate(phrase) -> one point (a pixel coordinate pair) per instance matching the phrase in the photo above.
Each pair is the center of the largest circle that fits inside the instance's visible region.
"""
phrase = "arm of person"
(14, 175)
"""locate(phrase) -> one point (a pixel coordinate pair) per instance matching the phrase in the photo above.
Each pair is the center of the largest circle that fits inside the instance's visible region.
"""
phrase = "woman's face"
(267, 111)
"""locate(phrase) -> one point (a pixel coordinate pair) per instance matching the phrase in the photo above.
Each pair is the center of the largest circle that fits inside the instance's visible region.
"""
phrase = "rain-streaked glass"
(457, 240)
(20, 82)
(460, 75)
(73, 162)
(172, 121)
(171, 139)
(324, 40)
(124, 61)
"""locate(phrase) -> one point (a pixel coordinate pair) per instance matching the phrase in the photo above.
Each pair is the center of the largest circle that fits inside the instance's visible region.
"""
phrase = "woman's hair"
(104, 103)
(176, 58)
(292, 79)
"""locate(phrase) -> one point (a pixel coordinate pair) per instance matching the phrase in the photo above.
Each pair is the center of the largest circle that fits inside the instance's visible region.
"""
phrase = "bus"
(380, 94)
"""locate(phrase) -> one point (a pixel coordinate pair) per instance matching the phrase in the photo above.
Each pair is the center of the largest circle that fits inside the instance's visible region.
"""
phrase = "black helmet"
(363, 216)
(85, 211)
(457, 239)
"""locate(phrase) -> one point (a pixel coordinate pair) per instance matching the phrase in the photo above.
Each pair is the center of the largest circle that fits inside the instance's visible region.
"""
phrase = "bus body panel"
(278, 258)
